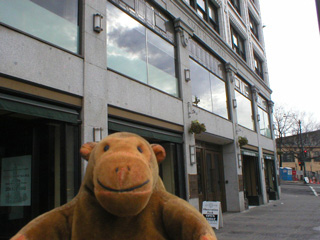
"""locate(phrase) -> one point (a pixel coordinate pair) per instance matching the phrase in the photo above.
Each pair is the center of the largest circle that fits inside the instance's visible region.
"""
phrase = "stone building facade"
(150, 67)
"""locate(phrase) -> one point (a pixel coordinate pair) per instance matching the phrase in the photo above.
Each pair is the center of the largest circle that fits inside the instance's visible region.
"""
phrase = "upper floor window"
(244, 104)
(236, 5)
(208, 11)
(288, 157)
(56, 22)
(238, 43)
(264, 121)
(254, 26)
(316, 156)
(208, 90)
(258, 67)
(138, 52)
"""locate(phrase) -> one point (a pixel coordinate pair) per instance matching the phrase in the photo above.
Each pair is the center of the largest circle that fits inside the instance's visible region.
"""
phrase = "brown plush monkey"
(121, 197)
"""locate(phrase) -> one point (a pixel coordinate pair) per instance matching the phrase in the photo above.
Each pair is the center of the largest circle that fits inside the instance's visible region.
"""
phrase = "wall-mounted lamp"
(239, 160)
(262, 163)
(192, 149)
(187, 76)
(234, 102)
(258, 117)
(97, 134)
(97, 22)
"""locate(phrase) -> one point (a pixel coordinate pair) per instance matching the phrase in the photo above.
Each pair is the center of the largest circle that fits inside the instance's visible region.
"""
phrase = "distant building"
(152, 67)
(301, 152)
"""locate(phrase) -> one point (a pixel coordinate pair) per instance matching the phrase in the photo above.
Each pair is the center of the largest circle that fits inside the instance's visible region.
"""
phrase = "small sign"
(213, 213)
(16, 181)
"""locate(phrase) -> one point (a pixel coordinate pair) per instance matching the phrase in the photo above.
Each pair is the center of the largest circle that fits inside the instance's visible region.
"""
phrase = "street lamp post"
(302, 159)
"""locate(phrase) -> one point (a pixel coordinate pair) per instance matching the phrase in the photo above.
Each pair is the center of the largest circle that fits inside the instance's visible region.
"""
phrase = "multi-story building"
(74, 71)
(301, 152)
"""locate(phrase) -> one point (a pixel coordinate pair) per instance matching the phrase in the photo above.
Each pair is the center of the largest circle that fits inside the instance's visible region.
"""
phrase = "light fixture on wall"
(234, 102)
(258, 117)
(239, 160)
(192, 149)
(97, 22)
(97, 134)
(187, 76)
(262, 163)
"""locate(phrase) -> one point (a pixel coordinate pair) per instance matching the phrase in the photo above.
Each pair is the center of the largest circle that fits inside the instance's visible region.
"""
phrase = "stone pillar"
(94, 111)
(183, 34)
(231, 152)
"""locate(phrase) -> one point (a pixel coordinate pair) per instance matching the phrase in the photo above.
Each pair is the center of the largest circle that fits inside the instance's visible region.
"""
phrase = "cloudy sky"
(292, 42)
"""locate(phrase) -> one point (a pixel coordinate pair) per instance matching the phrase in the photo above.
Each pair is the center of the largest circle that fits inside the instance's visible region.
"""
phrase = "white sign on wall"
(212, 212)
(16, 181)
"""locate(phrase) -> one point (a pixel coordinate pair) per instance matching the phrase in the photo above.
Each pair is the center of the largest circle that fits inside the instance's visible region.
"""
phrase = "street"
(295, 216)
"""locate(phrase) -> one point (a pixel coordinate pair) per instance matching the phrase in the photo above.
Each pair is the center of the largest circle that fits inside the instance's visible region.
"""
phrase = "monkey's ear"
(86, 149)
(159, 152)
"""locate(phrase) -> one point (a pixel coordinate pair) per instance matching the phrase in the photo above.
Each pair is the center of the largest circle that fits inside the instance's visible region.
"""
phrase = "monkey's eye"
(139, 149)
(106, 148)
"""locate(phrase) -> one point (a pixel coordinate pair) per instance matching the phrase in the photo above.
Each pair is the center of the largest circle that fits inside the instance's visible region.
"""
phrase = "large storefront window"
(264, 117)
(244, 104)
(209, 89)
(53, 21)
(138, 52)
(39, 159)
(38, 168)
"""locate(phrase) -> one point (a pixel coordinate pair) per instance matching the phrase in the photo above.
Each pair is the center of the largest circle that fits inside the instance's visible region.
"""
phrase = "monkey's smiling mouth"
(123, 190)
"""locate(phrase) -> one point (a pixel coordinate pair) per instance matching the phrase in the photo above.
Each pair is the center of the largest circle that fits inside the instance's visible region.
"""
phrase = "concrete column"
(94, 111)
(231, 152)
(255, 93)
(183, 34)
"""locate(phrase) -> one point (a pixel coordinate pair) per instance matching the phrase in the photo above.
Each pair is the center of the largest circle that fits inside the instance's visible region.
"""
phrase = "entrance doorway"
(251, 180)
(210, 177)
(270, 178)
(39, 168)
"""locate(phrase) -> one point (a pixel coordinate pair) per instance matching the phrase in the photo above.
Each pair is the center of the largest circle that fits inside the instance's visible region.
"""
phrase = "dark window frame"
(254, 26)
(236, 5)
(204, 13)
(258, 65)
(239, 47)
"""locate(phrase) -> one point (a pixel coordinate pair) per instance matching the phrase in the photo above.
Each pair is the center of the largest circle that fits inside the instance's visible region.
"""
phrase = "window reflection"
(264, 123)
(126, 49)
(244, 111)
(139, 53)
(209, 89)
(53, 21)
(200, 84)
(264, 117)
(219, 96)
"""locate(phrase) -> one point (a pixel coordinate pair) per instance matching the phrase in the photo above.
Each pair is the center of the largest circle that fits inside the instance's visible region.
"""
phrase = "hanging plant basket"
(197, 127)
(242, 141)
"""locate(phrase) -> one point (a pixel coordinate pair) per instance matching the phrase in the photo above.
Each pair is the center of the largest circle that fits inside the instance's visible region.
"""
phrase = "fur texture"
(121, 197)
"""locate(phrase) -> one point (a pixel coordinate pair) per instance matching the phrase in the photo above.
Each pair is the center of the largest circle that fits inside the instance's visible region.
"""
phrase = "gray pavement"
(295, 216)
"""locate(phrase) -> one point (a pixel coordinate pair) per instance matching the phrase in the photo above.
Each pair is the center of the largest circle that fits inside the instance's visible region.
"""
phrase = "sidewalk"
(295, 216)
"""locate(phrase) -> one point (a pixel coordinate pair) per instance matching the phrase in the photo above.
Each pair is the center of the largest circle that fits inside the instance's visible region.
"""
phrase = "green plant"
(242, 141)
(197, 127)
